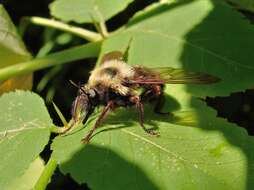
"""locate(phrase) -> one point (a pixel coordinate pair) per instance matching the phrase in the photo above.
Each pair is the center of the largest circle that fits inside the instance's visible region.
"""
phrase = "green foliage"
(30, 177)
(244, 4)
(83, 11)
(196, 149)
(24, 131)
(211, 155)
(208, 41)
(12, 49)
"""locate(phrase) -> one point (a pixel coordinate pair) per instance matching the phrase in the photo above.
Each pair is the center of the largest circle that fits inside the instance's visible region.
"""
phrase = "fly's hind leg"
(159, 101)
(140, 107)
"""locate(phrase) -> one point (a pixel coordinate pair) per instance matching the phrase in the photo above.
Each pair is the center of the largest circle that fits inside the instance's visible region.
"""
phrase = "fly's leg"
(104, 112)
(140, 107)
(75, 120)
(159, 101)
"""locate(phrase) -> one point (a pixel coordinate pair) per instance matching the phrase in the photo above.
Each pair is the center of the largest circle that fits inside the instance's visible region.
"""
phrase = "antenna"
(77, 86)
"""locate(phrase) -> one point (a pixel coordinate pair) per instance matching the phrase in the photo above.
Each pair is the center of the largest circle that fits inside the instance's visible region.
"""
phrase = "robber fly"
(116, 84)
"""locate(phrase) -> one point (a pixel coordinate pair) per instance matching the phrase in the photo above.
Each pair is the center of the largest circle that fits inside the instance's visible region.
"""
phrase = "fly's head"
(83, 105)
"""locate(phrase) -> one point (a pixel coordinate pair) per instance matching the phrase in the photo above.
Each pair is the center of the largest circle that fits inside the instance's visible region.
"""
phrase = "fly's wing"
(114, 55)
(168, 75)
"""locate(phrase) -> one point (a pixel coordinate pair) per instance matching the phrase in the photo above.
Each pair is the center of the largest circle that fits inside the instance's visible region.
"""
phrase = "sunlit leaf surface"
(82, 11)
(30, 177)
(24, 131)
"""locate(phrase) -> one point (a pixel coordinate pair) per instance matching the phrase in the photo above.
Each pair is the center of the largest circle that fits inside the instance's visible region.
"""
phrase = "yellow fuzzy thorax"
(111, 74)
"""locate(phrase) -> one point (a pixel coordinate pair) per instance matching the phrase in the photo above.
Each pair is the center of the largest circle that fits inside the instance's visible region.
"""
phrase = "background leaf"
(12, 51)
(83, 11)
(24, 131)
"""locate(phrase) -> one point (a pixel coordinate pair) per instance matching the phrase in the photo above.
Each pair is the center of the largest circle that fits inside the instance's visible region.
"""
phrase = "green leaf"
(244, 4)
(208, 41)
(24, 131)
(12, 51)
(29, 178)
(66, 56)
(196, 150)
(83, 11)
(213, 155)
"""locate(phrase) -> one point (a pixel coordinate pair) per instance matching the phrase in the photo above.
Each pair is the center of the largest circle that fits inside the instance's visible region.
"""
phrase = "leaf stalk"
(69, 55)
(46, 175)
(81, 32)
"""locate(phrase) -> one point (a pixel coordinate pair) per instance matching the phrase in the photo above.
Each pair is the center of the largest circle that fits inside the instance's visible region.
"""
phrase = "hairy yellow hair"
(111, 74)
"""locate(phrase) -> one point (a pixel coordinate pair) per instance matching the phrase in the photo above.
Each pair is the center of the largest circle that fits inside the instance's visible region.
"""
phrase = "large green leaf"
(24, 131)
(82, 11)
(200, 35)
(211, 155)
(12, 51)
(198, 151)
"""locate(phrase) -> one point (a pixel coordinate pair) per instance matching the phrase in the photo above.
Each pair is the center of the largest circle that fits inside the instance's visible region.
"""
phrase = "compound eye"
(79, 107)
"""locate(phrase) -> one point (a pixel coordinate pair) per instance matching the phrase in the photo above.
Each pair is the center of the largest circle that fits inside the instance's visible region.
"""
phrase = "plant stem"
(48, 171)
(101, 25)
(72, 54)
(104, 30)
(81, 32)
(167, 1)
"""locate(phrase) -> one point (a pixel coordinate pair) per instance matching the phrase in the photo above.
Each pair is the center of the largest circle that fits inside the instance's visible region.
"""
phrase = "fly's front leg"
(104, 112)
(89, 112)
(140, 107)
(80, 113)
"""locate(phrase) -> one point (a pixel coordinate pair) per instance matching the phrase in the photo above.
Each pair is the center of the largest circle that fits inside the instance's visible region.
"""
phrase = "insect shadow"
(127, 117)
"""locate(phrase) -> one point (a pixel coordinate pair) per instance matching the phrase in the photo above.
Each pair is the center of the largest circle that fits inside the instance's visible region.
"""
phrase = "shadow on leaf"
(211, 49)
(104, 168)
(193, 158)
(156, 11)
